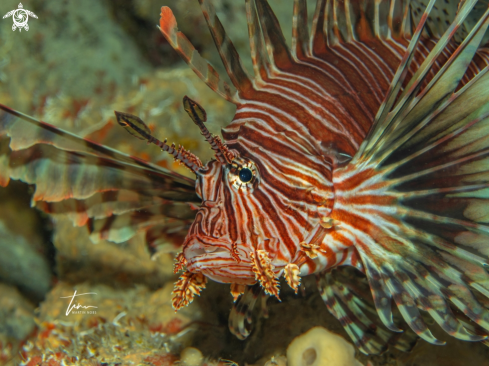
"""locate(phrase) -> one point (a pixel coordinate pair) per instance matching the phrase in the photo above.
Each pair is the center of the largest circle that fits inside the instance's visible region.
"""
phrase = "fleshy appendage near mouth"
(218, 263)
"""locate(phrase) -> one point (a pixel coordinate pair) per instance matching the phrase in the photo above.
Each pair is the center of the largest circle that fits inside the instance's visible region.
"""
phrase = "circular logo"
(20, 18)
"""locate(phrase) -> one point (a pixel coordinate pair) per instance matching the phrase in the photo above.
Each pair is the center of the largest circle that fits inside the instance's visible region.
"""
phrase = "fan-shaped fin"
(406, 303)
(403, 68)
(411, 89)
(347, 297)
(87, 181)
(430, 299)
(117, 215)
(229, 56)
(99, 205)
(381, 295)
(180, 43)
(278, 50)
(26, 131)
(439, 90)
(415, 196)
(121, 227)
(445, 13)
(60, 175)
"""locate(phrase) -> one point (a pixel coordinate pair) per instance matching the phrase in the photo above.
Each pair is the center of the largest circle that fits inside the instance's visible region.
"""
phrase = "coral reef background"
(80, 61)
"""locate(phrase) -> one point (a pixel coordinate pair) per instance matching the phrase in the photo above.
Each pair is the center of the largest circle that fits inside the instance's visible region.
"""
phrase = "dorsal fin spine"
(229, 55)
(349, 24)
(318, 34)
(278, 51)
(261, 65)
(181, 44)
(300, 31)
(398, 79)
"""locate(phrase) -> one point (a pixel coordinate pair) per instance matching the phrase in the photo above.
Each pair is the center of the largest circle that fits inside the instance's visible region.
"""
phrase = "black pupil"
(245, 175)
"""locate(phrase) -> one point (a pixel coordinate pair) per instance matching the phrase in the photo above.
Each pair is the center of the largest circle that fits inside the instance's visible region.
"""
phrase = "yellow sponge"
(320, 347)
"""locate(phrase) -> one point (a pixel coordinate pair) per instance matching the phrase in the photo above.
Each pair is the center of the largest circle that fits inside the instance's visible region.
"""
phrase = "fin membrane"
(92, 184)
(240, 318)
(345, 292)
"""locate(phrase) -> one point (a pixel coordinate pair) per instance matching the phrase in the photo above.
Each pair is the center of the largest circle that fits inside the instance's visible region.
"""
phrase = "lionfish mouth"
(218, 263)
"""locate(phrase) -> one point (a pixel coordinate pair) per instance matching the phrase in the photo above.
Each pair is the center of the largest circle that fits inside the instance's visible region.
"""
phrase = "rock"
(79, 259)
(277, 361)
(453, 353)
(16, 322)
(73, 48)
(22, 266)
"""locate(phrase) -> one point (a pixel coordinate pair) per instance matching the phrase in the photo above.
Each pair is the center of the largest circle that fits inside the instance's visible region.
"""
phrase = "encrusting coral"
(109, 326)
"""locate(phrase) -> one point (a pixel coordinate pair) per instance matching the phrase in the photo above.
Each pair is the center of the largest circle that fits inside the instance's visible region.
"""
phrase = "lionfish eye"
(245, 175)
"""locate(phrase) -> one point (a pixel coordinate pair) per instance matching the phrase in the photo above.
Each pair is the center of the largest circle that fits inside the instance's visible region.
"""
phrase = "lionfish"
(364, 145)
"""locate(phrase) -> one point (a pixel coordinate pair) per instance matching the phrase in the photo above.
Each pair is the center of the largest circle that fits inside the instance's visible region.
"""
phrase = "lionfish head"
(232, 224)
(221, 238)
(259, 201)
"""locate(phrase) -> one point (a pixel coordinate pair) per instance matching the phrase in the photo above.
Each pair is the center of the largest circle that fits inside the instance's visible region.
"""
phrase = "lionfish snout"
(219, 260)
